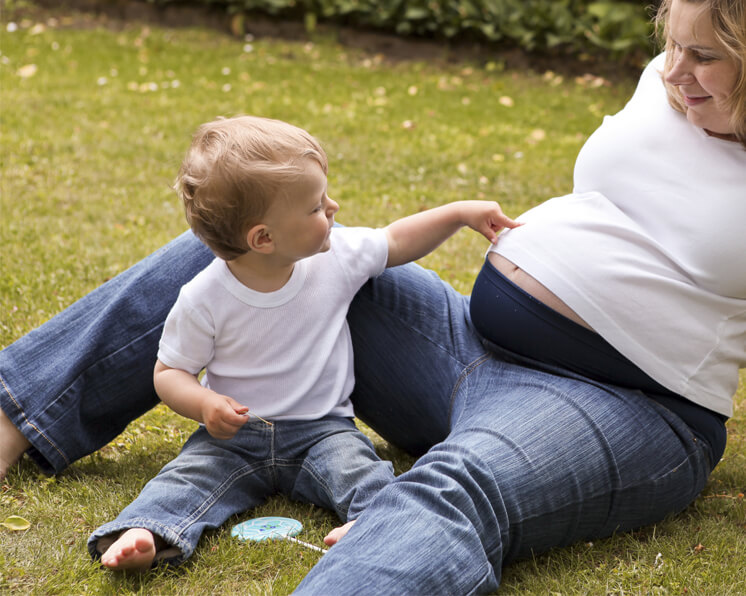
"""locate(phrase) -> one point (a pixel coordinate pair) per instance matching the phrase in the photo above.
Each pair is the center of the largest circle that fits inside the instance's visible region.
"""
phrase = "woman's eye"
(701, 58)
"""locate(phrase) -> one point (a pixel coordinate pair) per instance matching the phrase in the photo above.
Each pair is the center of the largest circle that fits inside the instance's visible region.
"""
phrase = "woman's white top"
(650, 249)
(285, 354)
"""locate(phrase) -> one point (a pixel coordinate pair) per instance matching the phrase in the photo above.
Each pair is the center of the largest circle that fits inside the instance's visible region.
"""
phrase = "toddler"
(266, 322)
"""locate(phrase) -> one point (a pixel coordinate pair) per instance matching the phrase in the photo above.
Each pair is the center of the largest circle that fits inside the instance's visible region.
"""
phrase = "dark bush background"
(617, 27)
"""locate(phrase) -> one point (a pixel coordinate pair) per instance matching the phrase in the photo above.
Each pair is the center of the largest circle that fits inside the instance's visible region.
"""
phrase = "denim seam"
(322, 482)
(470, 368)
(300, 464)
(273, 456)
(616, 490)
(482, 583)
(406, 324)
(28, 422)
(216, 494)
(690, 455)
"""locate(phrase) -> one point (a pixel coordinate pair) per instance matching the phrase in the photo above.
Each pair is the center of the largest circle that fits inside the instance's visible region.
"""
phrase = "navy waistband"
(511, 318)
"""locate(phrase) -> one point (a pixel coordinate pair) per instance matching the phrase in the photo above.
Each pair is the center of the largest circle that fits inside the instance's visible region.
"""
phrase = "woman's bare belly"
(531, 286)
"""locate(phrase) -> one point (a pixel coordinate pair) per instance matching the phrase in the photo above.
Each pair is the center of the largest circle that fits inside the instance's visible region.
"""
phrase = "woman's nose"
(680, 72)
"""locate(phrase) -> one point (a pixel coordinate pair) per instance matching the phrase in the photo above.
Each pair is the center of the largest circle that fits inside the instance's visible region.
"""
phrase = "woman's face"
(702, 71)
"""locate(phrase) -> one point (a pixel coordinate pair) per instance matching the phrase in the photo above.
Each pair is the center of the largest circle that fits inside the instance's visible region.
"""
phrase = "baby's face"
(301, 221)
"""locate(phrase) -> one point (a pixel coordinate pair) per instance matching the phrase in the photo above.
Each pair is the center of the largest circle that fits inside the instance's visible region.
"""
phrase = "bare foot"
(337, 534)
(133, 550)
(12, 444)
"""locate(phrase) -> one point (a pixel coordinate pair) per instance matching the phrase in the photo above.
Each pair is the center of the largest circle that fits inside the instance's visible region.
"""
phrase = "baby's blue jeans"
(327, 462)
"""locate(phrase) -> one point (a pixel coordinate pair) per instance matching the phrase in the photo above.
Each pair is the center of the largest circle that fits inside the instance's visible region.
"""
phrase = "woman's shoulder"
(656, 64)
(651, 79)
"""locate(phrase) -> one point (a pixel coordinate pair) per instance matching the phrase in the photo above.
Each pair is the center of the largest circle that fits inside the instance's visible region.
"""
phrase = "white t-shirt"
(285, 354)
(650, 249)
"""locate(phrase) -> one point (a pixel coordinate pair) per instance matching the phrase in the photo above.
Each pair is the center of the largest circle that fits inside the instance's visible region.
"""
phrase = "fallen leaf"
(537, 135)
(553, 78)
(238, 24)
(658, 563)
(506, 101)
(16, 523)
(591, 81)
(27, 71)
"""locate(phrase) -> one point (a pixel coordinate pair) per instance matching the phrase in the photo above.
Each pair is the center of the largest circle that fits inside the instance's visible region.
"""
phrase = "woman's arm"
(415, 236)
(183, 393)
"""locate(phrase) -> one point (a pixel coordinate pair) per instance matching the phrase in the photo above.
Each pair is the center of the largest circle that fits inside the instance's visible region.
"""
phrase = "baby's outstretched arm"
(415, 236)
(183, 393)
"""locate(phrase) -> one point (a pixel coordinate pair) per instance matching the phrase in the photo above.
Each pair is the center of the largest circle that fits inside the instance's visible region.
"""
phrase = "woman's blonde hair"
(233, 170)
(728, 19)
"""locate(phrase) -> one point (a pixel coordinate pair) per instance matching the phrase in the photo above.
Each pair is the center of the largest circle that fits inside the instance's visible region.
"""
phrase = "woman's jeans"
(517, 458)
(327, 462)
(74, 384)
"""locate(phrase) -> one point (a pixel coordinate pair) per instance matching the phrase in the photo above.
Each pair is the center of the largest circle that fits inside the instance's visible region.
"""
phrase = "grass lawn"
(94, 121)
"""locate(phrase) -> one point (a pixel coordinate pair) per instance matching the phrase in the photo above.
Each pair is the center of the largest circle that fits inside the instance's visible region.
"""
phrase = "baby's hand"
(223, 416)
(487, 218)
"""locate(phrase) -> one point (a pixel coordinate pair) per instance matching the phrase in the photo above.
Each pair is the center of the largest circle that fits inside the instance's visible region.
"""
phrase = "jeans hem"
(174, 540)
(45, 453)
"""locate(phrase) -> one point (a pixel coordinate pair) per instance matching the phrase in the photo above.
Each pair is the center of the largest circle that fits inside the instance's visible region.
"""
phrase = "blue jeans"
(518, 457)
(327, 462)
(74, 383)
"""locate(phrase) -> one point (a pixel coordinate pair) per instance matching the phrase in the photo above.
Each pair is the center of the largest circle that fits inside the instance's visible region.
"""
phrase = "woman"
(581, 391)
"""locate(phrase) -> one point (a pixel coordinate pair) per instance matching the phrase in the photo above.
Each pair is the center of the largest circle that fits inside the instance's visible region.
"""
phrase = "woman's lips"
(695, 101)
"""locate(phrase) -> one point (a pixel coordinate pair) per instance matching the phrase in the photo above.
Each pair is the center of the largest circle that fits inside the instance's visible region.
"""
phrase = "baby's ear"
(260, 239)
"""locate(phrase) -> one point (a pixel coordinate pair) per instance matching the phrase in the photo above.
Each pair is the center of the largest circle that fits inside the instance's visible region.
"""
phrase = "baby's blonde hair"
(233, 170)
(728, 18)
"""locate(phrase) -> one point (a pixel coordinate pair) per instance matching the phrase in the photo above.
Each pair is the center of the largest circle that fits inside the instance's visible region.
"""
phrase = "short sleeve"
(361, 252)
(188, 340)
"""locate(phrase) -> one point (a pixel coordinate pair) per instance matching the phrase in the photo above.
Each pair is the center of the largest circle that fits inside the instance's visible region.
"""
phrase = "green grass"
(89, 146)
